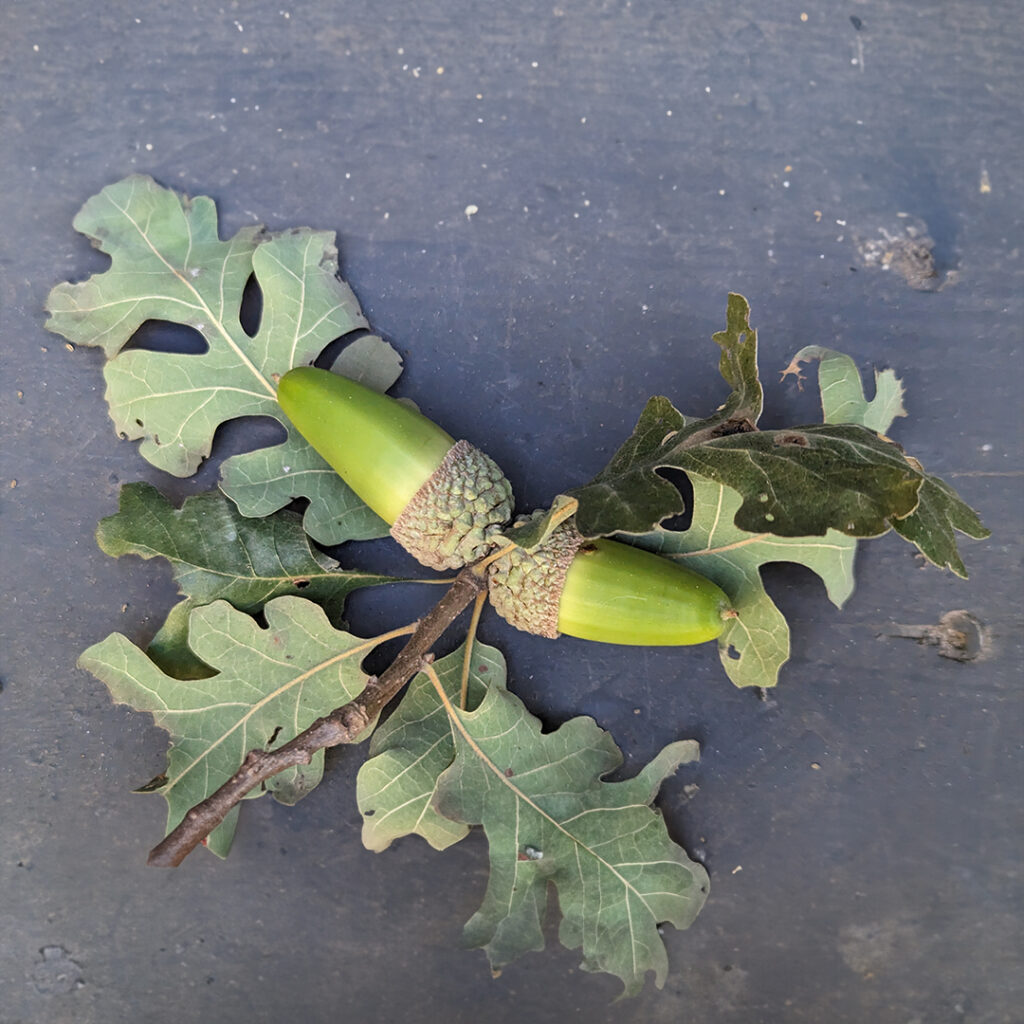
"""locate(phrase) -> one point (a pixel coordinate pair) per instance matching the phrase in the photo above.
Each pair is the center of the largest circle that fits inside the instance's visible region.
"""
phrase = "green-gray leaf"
(931, 525)
(269, 685)
(216, 553)
(627, 495)
(396, 785)
(940, 510)
(755, 644)
(797, 482)
(550, 819)
(842, 393)
(167, 263)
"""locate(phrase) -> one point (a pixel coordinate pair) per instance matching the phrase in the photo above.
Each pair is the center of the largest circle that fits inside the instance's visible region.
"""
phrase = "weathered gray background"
(630, 163)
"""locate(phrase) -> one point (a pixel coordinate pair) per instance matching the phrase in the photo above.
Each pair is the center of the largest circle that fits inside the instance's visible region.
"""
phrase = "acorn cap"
(526, 587)
(449, 521)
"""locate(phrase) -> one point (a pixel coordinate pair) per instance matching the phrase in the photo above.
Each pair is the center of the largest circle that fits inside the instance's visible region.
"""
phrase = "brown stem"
(346, 724)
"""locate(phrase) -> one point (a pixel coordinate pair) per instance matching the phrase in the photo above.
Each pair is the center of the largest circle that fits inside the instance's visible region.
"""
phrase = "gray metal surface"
(629, 163)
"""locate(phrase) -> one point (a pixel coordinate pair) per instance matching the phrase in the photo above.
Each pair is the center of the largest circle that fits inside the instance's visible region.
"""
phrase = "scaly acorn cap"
(606, 591)
(450, 520)
(525, 587)
(443, 499)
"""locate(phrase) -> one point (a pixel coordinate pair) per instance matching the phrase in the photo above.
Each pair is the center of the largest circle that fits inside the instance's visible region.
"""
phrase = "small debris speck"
(803, 15)
(471, 210)
(736, 870)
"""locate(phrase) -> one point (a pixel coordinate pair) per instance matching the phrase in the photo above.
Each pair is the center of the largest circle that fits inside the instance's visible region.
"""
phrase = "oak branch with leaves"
(250, 705)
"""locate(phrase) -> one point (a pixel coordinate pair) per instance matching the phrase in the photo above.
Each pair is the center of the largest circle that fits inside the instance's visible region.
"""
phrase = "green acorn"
(607, 591)
(442, 498)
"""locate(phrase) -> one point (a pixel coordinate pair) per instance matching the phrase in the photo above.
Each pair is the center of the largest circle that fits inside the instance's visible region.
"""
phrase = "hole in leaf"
(327, 356)
(370, 813)
(300, 583)
(246, 434)
(251, 310)
(165, 336)
(732, 653)
(681, 522)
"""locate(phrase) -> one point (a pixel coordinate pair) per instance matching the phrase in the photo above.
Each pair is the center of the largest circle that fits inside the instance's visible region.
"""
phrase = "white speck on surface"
(471, 210)
(985, 185)
(721, 191)
(644, 308)
(149, 146)
(35, 47)
(440, 71)
(387, 216)
(583, 120)
(238, 25)
(707, 89)
(841, 223)
(534, 64)
(986, 447)
(668, 113)
(736, 870)
(785, 184)
(287, 469)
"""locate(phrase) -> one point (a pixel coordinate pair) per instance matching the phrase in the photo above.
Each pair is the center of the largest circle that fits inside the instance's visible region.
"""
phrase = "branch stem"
(346, 724)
